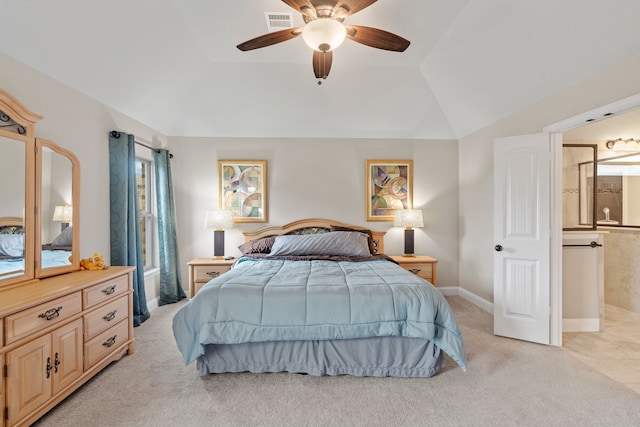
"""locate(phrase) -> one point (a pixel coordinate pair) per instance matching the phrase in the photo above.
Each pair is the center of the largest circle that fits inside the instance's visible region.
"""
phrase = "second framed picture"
(389, 188)
(243, 189)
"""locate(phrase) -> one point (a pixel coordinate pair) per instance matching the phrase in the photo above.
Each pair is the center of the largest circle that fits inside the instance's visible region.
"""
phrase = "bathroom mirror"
(618, 191)
(579, 169)
(57, 190)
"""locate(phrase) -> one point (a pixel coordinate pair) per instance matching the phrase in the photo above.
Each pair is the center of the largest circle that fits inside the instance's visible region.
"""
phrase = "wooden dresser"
(57, 333)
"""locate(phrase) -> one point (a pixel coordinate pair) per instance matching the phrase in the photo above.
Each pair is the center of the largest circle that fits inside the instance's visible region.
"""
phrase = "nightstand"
(422, 265)
(201, 270)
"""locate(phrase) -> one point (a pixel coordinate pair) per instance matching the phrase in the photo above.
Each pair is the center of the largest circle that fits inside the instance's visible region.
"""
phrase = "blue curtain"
(170, 288)
(126, 241)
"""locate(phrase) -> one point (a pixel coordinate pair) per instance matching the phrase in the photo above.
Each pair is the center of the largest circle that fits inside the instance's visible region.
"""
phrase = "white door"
(521, 233)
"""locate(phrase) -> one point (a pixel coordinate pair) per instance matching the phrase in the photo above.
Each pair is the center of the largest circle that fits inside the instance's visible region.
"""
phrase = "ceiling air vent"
(277, 21)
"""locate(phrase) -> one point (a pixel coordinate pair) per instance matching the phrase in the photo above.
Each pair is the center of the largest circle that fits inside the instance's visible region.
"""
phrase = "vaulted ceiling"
(174, 66)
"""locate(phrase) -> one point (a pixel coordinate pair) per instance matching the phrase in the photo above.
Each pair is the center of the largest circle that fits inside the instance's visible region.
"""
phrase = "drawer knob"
(111, 341)
(110, 316)
(415, 270)
(50, 314)
(213, 273)
(109, 290)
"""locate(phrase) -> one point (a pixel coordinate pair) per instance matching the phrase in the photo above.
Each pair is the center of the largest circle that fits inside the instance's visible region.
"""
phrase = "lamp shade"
(63, 214)
(408, 218)
(324, 34)
(219, 219)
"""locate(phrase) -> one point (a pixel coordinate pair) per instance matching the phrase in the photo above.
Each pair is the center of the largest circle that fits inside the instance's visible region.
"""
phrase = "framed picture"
(389, 188)
(243, 189)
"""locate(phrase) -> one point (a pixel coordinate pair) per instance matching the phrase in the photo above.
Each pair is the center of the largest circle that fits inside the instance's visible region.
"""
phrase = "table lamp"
(219, 220)
(63, 214)
(409, 219)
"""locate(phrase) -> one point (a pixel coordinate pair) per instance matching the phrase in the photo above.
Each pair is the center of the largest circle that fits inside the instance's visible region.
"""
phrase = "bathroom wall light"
(620, 144)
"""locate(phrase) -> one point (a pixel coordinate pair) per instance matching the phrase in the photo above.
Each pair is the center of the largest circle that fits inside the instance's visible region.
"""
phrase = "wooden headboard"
(320, 225)
(11, 224)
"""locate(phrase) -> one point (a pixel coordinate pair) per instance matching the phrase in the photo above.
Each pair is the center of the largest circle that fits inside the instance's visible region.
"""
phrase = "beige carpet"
(509, 383)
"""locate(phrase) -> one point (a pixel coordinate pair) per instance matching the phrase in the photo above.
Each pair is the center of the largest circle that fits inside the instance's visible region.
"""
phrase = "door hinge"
(6, 371)
(6, 412)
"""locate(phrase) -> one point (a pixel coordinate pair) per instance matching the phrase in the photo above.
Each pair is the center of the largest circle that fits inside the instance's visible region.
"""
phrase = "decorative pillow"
(343, 243)
(372, 244)
(12, 245)
(64, 239)
(258, 246)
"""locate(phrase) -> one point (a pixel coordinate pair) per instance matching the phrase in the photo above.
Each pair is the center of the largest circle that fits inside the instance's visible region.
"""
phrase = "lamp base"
(218, 244)
(408, 242)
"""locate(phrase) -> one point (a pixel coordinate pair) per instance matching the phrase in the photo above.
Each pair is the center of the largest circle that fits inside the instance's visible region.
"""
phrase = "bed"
(53, 254)
(318, 297)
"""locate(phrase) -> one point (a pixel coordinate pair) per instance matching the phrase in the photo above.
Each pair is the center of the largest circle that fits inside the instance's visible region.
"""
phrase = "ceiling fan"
(324, 31)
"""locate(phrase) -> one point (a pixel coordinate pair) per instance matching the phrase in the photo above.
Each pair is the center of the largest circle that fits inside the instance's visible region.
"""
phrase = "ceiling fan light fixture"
(324, 34)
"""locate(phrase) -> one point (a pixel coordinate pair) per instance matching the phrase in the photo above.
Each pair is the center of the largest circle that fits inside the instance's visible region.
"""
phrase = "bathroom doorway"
(615, 349)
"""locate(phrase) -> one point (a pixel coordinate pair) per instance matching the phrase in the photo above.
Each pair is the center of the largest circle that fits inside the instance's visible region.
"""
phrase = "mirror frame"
(75, 198)
(20, 115)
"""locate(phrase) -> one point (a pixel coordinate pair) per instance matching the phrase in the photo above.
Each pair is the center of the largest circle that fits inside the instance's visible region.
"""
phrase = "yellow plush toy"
(96, 262)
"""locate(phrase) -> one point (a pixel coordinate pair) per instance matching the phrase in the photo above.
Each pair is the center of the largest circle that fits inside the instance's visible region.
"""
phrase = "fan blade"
(322, 63)
(305, 7)
(351, 7)
(377, 38)
(270, 39)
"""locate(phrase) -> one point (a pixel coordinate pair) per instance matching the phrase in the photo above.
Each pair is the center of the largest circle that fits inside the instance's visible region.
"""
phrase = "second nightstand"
(422, 265)
(201, 270)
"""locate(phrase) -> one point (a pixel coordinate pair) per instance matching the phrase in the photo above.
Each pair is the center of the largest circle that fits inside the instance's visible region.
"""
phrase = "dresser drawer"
(105, 291)
(204, 273)
(106, 316)
(105, 343)
(34, 319)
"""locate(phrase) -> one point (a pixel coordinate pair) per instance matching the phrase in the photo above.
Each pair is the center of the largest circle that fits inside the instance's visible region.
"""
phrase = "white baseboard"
(580, 325)
(471, 297)
(152, 304)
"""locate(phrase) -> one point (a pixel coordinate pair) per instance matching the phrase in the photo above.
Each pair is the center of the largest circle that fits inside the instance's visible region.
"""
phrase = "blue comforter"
(283, 300)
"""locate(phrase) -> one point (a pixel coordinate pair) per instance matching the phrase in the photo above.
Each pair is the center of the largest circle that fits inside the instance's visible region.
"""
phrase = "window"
(145, 205)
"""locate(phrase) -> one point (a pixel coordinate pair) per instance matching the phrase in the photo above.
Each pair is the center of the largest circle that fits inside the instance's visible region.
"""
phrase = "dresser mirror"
(35, 174)
(57, 194)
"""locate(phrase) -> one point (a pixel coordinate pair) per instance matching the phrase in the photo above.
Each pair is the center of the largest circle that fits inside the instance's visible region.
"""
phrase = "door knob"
(498, 248)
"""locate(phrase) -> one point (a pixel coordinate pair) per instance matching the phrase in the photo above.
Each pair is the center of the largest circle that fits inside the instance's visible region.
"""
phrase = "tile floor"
(615, 351)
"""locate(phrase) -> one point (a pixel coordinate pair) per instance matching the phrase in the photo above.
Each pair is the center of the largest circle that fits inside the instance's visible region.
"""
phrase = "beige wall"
(318, 178)
(621, 268)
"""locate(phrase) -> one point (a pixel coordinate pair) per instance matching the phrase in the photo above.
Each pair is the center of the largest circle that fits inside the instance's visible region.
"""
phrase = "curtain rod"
(116, 134)
(151, 148)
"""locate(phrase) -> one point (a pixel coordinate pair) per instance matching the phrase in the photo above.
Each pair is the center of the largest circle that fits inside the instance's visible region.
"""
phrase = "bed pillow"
(258, 246)
(12, 245)
(372, 244)
(64, 239)
(342, 243)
